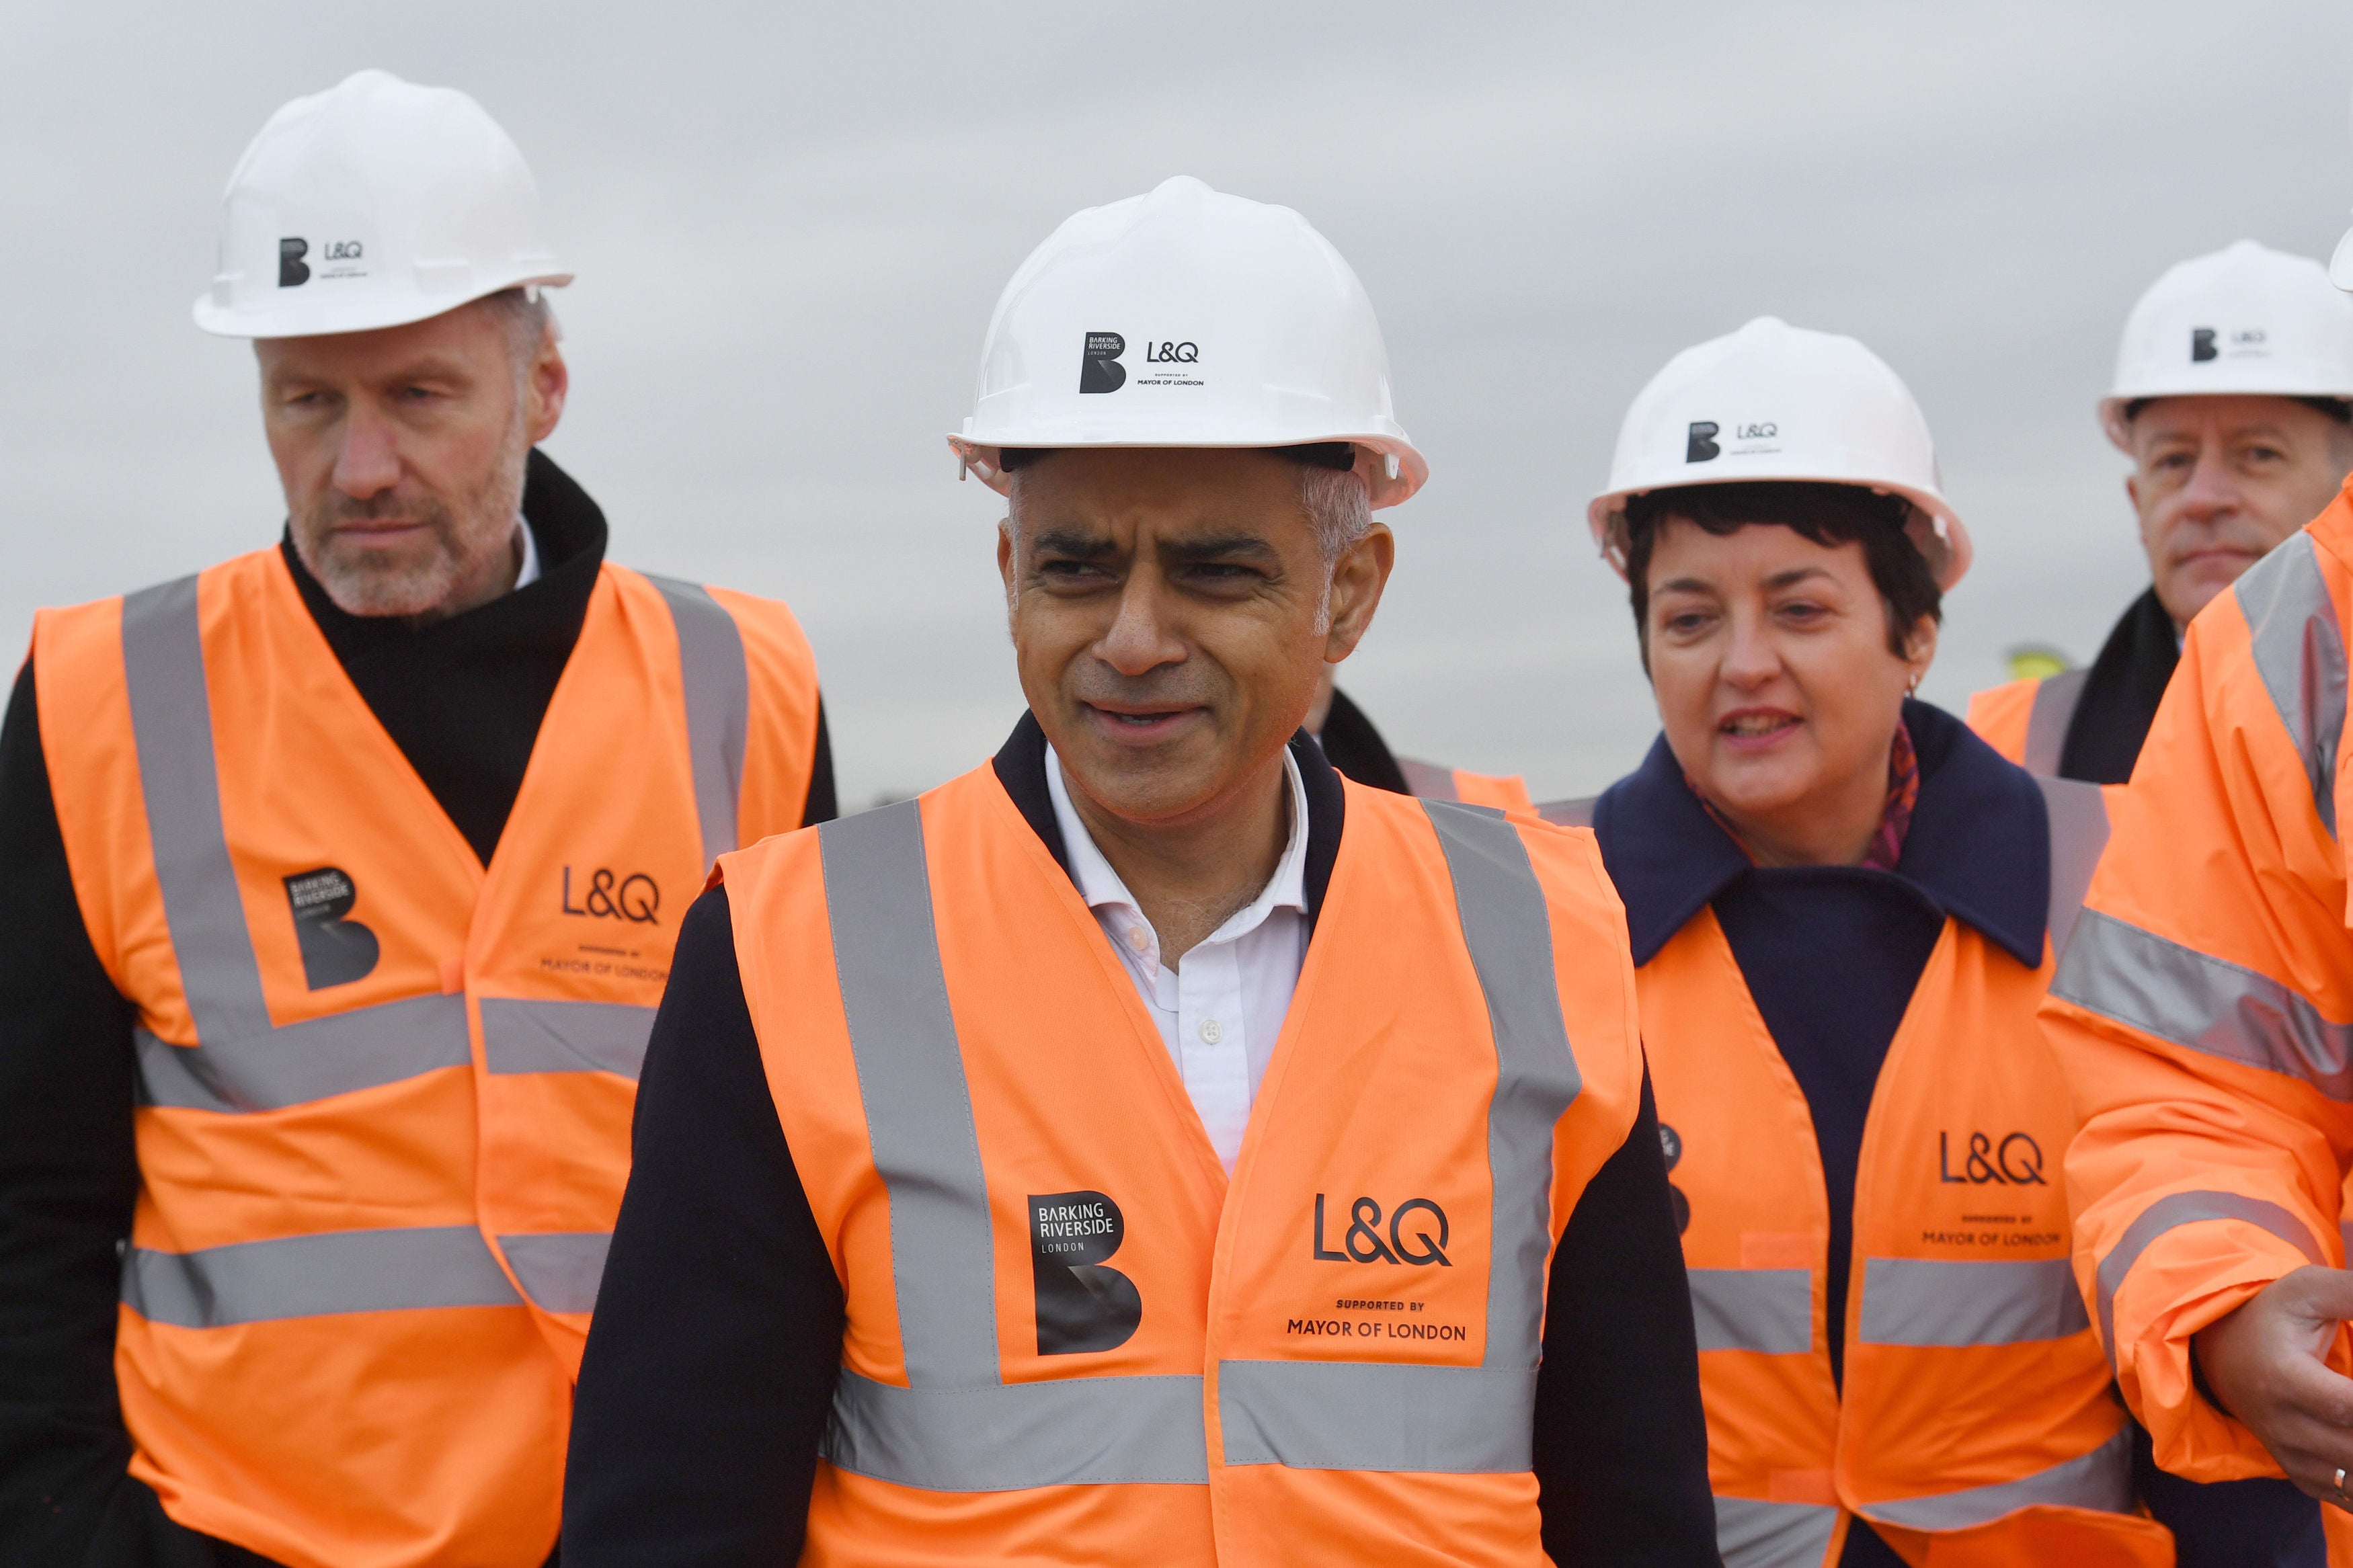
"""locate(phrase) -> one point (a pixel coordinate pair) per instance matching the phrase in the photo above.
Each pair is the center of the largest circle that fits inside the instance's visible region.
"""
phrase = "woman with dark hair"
(1841, 905)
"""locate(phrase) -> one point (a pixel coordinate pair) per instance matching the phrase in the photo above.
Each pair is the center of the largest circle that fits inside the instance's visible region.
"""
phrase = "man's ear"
(1358, 578)
(547, 382)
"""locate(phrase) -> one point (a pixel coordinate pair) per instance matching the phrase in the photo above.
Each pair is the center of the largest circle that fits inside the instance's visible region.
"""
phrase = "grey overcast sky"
(790, 222)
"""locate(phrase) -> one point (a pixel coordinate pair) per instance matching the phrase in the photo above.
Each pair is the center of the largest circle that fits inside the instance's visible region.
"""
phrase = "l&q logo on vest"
(1081, 1305)
(1421, 1243)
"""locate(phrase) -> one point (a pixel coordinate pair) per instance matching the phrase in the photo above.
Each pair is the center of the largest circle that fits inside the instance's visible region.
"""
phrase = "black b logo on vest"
(1081, 1305)
(335, 951)
(2202, 344)
(1099, 368)
(1701, 446)
(1671, 1147)
(292, 273)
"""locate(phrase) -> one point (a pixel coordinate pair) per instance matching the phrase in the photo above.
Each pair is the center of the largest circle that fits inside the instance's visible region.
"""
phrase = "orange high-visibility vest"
(1977, 1423)
(385, 1091)
(2026, 720)
(1069, 1334)
(1433, 781)
(2204, 1012)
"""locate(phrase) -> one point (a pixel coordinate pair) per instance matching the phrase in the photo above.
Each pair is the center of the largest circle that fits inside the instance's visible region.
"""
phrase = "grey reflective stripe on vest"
(560, 1269)
(2101, 1479)
(718, 707)
(172, 725)
(2203, 1004)
(1074, 1431)
(1428, 781)
(521, 1035)
(2078, 832)
(1753, 1533)
(315, 1059)
(2055, 699)
(2299, 650)
(1378, 1416)
(958, 1427)
(1922, 1302)
(1767, 1310)
(2177, 1209)
(1569, 813)
(911, 1081)
(1384, 1415)
(312, 1276)
(1507, 928)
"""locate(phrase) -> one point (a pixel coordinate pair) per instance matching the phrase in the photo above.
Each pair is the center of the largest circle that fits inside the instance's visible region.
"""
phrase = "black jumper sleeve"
(67, 1179)
(717, 1340)
(1621, 1436)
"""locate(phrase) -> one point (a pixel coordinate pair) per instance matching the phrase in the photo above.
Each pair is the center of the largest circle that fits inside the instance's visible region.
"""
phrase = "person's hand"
(2263, 1363)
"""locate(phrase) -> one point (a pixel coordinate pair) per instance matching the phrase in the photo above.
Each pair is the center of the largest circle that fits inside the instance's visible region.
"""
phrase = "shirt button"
(1136, 938)
(1211, 1031)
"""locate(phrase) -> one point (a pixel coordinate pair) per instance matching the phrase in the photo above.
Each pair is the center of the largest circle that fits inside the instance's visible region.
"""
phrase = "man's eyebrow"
(1073, 543)
(1219, 547)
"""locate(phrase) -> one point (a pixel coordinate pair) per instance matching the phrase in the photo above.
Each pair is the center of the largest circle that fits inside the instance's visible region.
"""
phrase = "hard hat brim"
(1946, 545)
(982, 460)
(325, 316)
(2340, 265)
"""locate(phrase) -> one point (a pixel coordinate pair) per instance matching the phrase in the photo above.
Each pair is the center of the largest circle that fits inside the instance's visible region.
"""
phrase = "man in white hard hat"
(2234, 397)
(1150, 1148)
(2200, 1017)
(343, 878)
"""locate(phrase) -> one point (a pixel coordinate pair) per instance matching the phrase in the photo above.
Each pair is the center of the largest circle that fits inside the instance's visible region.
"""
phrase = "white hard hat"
(1188, 318)
(1776, 402)
(2341, 264)
(2246, 320)
(374, 203)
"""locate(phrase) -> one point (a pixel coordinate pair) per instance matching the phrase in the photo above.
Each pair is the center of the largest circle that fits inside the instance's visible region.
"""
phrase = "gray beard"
(472, 540)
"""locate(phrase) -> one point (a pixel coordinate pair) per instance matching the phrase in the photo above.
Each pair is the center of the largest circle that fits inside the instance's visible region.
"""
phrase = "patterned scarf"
(1895, 820)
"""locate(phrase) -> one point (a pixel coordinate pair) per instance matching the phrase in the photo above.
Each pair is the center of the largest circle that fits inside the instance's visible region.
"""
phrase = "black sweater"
(463, 698)
(711, 1362)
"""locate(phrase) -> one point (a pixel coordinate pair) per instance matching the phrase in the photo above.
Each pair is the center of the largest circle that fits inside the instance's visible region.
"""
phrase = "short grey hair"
(1339, 508)
(525, 316)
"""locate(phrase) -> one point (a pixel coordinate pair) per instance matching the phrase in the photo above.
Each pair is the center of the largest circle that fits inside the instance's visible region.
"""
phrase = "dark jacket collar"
(2120, 695)
(1979, 848)
(1352, 745)
(1020, 767)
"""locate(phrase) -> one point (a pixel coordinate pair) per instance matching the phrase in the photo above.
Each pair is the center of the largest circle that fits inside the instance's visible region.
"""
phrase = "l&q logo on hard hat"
(2246, 341)
(1748, 439)
(337, 258)
(1365, 1242)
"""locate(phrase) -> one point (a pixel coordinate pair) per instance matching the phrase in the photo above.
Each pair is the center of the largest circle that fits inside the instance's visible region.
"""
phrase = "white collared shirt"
(528, 573)
(1221, 1010)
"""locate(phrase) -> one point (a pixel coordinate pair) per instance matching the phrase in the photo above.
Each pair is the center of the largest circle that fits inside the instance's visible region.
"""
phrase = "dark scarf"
(2120, 695)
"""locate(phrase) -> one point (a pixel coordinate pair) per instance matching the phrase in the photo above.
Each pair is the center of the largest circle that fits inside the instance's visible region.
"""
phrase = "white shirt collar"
(530, 570)
(1099, 885)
